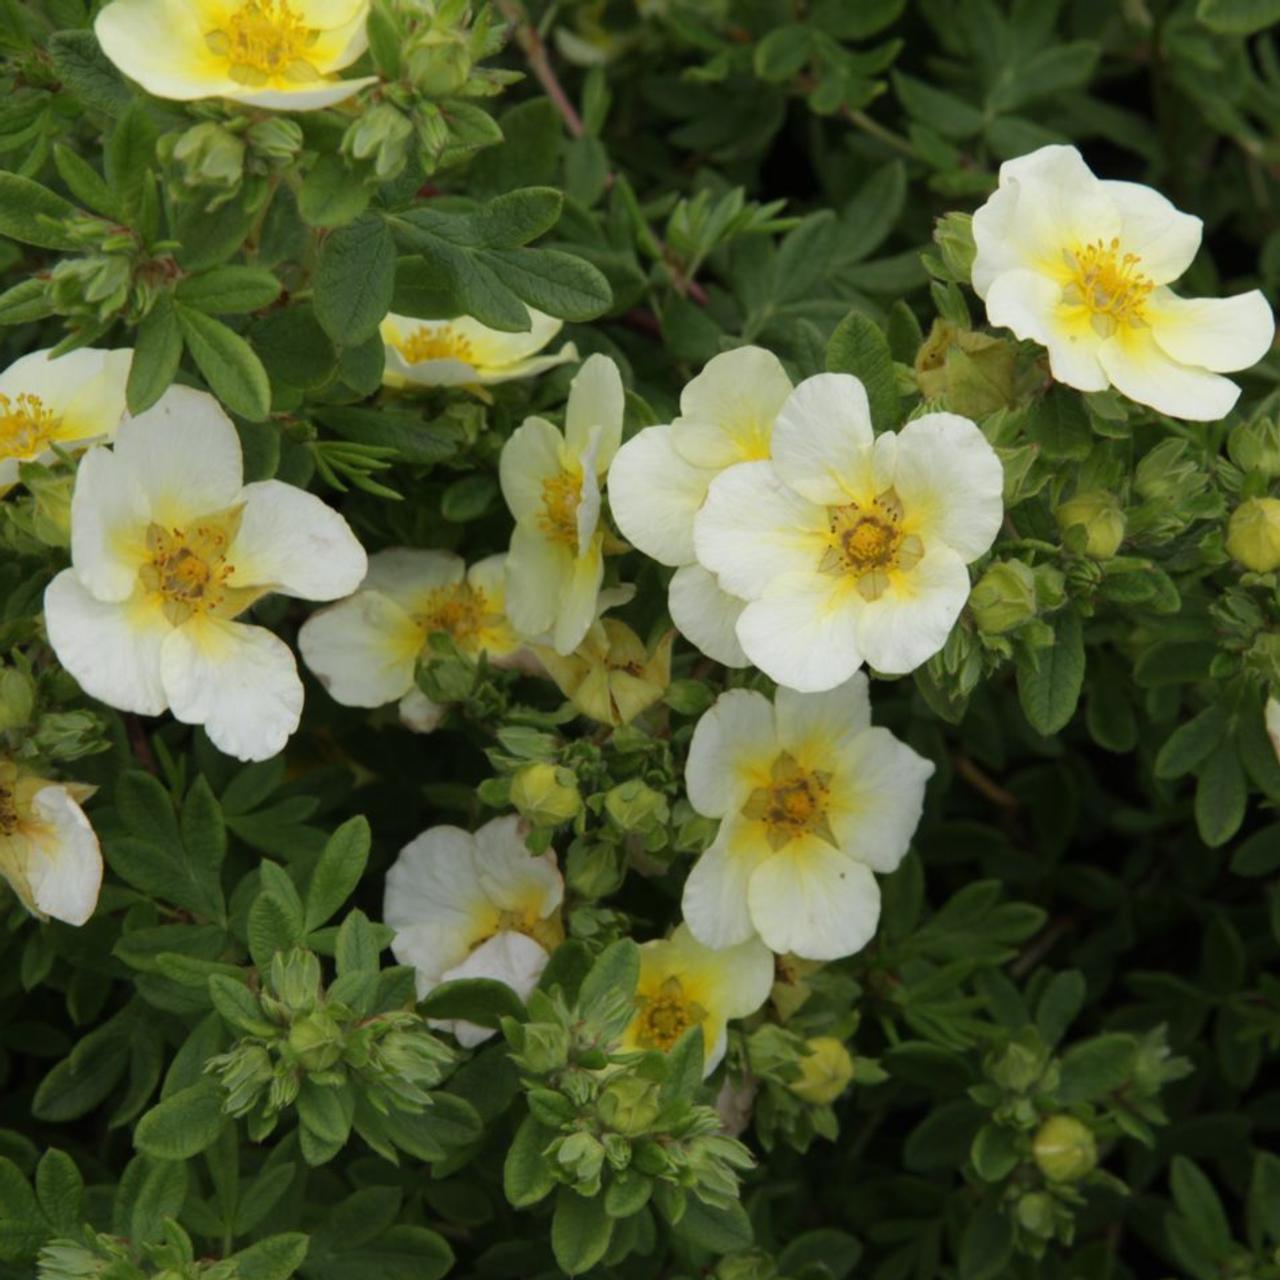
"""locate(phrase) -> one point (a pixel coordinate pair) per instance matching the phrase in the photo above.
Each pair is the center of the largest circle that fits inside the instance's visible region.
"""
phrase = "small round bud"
(210, 156)
(826, 1071)
(1255, 446)
(317, 1041)
(380, 135)
(1004, 598)
(953, 234)
(1100, 516)
(17, 698)
(1035, 1214)
(546, 795)
(276, 138)
(1253, 534)
(1064, 1149)
(636, 807)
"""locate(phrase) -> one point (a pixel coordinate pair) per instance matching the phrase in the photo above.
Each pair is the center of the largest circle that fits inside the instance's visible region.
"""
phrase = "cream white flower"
(1082, 266)
(474, 906)
(465, 353)
(684, 984)
(850, 547)
(168, 547)
(70, 402)
(48, 851)
(265, 53)
(660, 478)
(813, 801)
(552, 482)
(365, 649)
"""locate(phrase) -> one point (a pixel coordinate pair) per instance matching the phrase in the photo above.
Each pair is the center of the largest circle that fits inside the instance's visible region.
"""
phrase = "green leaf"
(836, 1252)
(183, 1125)
(1094, 1068)
(338, 871)
(560, 284)
(1059, 423)
(532, 138)
(483, 1001)
(580, 1231)
(331, 194)
(88, 72)
(157, 352)
(1060, 1004)
(227, 363)
(859, 347)
(1200, 1205)
(229, 290)
(130, 155)
(60, 1190)
(1238, 17)
(402, 1253)
(782, 53)
(1050, 680)
(1259, 855)
(26, 301)
(204, 834)
(85, 182)
(718, 1230)
(518, 217)
(526, 1172)
(275, 1258)
(995, 1152)
(23, 204)
(1191, 743)
(986, 1247)
(1221, 796)
(354, 280)
(950, 116)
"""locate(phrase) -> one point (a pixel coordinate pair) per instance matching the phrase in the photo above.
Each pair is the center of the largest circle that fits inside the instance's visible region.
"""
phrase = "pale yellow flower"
(611, 677)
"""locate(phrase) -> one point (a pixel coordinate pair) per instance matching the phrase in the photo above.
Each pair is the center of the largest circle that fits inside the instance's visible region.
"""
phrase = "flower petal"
(737, 396)
(64, 869)
(654, 495)
(822, 430)
(1221, 334)
(1139, 369)
(596, 399)
(811, 725)
(111, 648)
(239, 682)
(714, 904)
(363, 649)
(510, 876)
(706, 614)
(84, 389)
(292, 542)
(577, 608)
(408, 575)
(419, 714)
(1165, 239)
(109, 517)
(306, 97)
(510, 958)
(911, 621)
(738, 727)
(539, 572)
(951, 483)
(533, 455)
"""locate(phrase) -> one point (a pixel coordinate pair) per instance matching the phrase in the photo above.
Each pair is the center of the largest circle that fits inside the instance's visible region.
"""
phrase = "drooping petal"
(64, 868)
(803, 632)
(510, 876)
(291, 541)
(737, 979)
(877, 797)
(109, 517)
(714, 904)
(510, 958)
(1165, 239)
(596, 399)
(111, 648)
(1140, 369)
(752, 528)
(419, 714)
(654, 495)
(735, 732)
(363, 649)
(727, 412)
(185, 455)
(816, 903)
(577, 609)
(706, 614)
(533, 455)
(240, 682)
(812, 725)
(950, 482)
(822, 430)
(910, 622)
(1220, 334)
(539, 572)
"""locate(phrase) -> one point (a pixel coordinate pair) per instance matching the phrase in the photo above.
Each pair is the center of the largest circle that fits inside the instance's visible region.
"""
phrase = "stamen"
(26, 426)
(265, 40)
(561, 497)
(1108, 285)
(439, 342)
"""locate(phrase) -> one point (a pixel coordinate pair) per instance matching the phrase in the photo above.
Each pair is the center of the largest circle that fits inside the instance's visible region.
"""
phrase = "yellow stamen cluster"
(460, 610)
(26, 426)
(663, 1018)
(793, 804)
(867, 541)
(438, 343)
(264, 40)
(546, 931)
(1108, 285)
(188, 569)
(561, 494)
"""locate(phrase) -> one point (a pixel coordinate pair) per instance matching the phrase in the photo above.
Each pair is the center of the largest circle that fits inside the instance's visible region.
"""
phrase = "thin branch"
(979, 781)
(535, 52)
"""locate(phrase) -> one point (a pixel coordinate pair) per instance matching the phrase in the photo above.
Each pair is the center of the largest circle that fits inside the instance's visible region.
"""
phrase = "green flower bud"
(243, 1072)
(98, 285)
(439, 68)
(630, 1105)
(1169, 474)
(210, 155)
(581, 1157)
(275, 138)
(594, 870)
(1004, 598)
(1064, 1149)
(1051, 587)
(316, 1040)
(1253, 534)
(636, 808)
(546, 1046)
(1255, 446)
(295, 980)
(545, 794)
(68, 735)
(380, 135)
(1035, 1214)
(1017, 1068)
(17, 698)
(826, 1071)
(953, 234)
(1100, 516)
(52, 507)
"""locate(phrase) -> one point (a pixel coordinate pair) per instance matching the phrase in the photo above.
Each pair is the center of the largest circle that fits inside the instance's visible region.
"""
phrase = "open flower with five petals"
(813, 801)
(848, 546)
(48, 850)
(684, 984)
(660, 478)
(1083, 265)
(168, 547)
(476, 905)
(465, 353)
(281, 54)
(70, 402)
(552, 482)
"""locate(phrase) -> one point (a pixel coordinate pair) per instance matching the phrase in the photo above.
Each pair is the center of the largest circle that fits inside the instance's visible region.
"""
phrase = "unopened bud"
(295, 979)
(545, 794)
(1064, 1149)
(1035, 1214)
(380, 135)
(1004, 598)
(210, 155)
(826, 1071)
(17, 698)
(1255, 446)
(316, 1040)
(953, 234)
(276, 138)
(439, 69)
(630, 1105)
(1253, 534)
(1099, 515)
(581, 1156)
(1168, 473)
(636, 807)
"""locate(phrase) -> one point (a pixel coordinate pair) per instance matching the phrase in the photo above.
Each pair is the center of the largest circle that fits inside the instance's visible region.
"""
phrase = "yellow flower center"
(794, 803)
(546, 931)
(867, 541)
(1108, 285)
(459, 609)
(436, 343)
(26, 426)
(265, 40)
(188, 569)
(664, 1017)
(561, 496)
